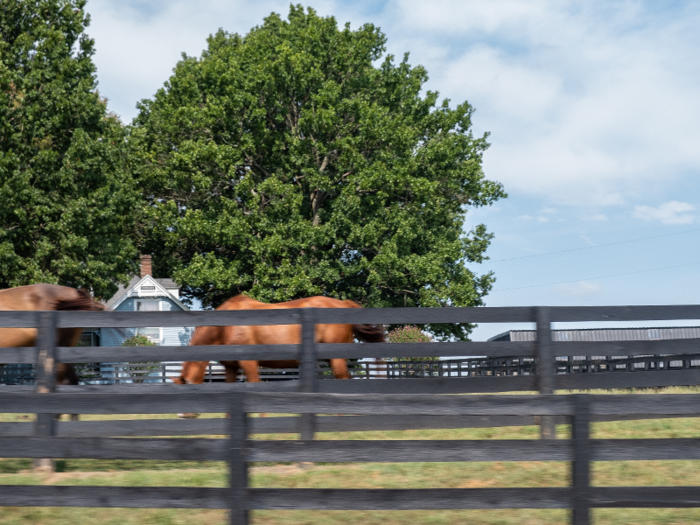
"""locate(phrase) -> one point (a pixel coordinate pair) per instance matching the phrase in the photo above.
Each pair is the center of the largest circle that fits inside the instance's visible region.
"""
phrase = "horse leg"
(231, 368)
(250, 369)
(192, 374)
(65, 372)
(340, 368)
(66, 375)
(252, 374)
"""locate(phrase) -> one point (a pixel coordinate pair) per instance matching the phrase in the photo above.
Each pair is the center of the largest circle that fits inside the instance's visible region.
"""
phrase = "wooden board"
(522, 314)
(460, 349)
(397, 404)
(389, 404)
(608, 380)
(126, 497)
(431, 385)
(285, 425)
(105, 354)
(625, 348)
(399, 451)
(645, 497)
(409, 499)
(194, 449)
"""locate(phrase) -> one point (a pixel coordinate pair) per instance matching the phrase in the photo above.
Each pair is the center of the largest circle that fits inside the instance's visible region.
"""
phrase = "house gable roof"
(143, 287)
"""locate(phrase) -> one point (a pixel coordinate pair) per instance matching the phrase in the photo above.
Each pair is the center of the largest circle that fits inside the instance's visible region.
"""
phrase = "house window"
(152, 333)
(149, 305)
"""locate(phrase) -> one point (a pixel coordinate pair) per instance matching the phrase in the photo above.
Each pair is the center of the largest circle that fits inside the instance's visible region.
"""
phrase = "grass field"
(376, 475)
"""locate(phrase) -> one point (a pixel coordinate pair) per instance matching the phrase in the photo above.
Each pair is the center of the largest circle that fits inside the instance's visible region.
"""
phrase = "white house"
(143, 293)
(148, 294)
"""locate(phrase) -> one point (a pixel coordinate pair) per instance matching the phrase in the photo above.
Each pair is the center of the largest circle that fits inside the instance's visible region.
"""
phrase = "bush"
(413, 366)
(138, 340)
(408, 334)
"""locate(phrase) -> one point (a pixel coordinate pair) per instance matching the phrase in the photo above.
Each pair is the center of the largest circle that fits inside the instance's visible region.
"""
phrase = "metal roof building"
(606, 334)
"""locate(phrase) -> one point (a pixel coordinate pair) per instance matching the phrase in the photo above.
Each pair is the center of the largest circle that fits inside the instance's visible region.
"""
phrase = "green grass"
(374, 475)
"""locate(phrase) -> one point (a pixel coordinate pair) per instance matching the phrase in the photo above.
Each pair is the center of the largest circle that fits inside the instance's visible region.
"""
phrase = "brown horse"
(193, 371)
(45, 297)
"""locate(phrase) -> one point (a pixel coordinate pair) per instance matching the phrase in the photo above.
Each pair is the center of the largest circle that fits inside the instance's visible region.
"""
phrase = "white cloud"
(588, 240)
(139, 42)
(588, 103)
(673, 212)
(578, 289)
(598, 217)
(539, 218)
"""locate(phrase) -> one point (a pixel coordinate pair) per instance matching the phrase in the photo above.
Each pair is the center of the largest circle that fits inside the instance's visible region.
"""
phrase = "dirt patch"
(50, 479)
(280, 470)
(476, 484)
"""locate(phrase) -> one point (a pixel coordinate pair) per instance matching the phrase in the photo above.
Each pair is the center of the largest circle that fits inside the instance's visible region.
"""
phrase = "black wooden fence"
(378, 404)
(238, 451)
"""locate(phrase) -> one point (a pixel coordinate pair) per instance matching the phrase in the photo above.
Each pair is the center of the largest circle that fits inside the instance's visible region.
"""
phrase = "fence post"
(545, 365)
(237, 460)
(580, 466)
(45, 380)
(308, 367)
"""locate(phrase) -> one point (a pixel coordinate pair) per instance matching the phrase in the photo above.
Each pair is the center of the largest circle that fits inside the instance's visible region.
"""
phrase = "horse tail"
(369, 333)
(66, 374)
(82, 302)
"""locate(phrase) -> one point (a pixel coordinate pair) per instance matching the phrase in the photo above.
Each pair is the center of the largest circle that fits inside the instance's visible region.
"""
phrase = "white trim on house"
(148, 287)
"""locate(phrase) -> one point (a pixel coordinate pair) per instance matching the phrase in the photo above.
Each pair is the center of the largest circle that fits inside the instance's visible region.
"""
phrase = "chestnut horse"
(45, 297)
(193, 371)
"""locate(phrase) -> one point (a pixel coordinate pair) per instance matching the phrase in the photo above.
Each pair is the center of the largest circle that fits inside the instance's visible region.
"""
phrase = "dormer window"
(147, 305)
(155, 334)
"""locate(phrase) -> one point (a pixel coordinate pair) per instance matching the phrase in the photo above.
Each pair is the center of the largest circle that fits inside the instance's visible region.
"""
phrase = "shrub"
(138, 340)
(413, 366)
(408, 334)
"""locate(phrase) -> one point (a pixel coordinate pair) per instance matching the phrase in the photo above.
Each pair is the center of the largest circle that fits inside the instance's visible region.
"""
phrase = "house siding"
(170, 335)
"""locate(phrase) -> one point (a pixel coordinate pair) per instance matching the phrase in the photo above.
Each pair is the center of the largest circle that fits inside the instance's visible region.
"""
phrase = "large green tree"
(67, 201)
(295, 161)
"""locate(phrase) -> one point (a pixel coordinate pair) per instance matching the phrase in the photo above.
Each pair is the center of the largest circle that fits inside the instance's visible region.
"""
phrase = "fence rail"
(239, 450)
(518, 314)
(375, 404)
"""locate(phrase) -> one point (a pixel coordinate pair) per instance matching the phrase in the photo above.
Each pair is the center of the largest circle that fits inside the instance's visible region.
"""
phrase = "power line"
(597, 246)
(600, 277)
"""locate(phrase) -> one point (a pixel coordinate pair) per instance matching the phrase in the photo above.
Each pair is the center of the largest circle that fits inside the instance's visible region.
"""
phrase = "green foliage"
(68, 201)
(413, 366)
(138, 340)
(298, 160)
(408, 334)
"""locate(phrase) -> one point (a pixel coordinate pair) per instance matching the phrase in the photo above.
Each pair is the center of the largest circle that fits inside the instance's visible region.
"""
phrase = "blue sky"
(592, 107)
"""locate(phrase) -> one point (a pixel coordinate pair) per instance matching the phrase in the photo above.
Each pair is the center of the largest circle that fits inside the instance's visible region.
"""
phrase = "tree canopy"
(299, 160)
(67, 199)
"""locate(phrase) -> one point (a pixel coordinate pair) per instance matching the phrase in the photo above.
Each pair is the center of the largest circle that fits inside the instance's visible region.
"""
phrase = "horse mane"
(82, 302)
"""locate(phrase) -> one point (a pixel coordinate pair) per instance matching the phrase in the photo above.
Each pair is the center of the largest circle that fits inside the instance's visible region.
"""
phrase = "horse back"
(35, 297)
(275, 334)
